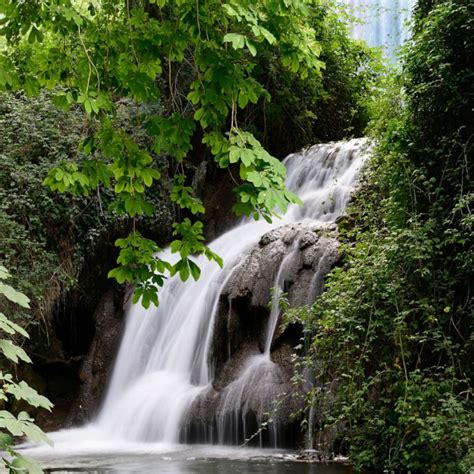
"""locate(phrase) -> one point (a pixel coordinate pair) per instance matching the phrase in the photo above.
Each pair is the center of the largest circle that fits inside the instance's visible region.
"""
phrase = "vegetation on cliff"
(390, 340)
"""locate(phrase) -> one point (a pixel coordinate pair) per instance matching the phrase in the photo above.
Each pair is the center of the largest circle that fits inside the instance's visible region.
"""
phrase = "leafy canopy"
(198, 59)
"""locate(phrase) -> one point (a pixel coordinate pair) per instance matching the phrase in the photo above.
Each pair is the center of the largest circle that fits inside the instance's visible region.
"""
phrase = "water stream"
(382, 22)
(164, 361)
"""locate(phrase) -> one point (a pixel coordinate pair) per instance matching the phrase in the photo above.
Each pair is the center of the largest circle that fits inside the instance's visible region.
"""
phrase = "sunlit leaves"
(183, 196)
(201, 68)
(238, 41)
(140, 265)
(68, 177)
(22, 425)
(263, 190)
(10, 327)
(190, 242)
(10, 293)
(13, 352)
(22, 391)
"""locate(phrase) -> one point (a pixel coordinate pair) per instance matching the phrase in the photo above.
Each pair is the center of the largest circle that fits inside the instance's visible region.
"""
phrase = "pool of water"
(152, 464)
(167, 459)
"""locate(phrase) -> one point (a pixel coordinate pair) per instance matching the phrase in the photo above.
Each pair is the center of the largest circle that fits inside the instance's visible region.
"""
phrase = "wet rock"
(249, 388)
(96, 365)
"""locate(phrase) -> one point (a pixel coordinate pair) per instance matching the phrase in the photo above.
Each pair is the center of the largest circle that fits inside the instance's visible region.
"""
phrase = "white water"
(163, 362)
(382, 22)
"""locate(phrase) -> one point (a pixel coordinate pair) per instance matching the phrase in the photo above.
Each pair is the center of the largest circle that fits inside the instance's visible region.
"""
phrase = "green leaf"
(33, 432)
(195, 270)
(251, 46)
(255, 178)
(10, 327)
(4, 274)
(237, 40)
(13, 352)
(15, 296)
(242, 100)
(23, 464)
(182, 267)
(22, 391)
(10, 423)
(6, 440)
(133, 206)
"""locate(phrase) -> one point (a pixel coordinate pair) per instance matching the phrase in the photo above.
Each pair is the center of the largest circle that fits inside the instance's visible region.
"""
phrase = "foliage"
(49, 238)
(390, 340)
(36, 226)
(200, 60)
(22, 424)
(319, 107)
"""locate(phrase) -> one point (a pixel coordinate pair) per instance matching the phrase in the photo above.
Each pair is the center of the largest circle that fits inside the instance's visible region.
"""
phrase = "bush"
(391, 337)
(49, 238)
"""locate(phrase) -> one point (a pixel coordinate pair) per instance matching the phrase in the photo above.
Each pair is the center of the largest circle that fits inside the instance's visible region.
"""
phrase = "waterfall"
(381, 22)
(165, 359)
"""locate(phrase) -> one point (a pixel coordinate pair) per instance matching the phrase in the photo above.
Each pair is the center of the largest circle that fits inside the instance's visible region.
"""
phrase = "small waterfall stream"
(165, 358)
(381, 22)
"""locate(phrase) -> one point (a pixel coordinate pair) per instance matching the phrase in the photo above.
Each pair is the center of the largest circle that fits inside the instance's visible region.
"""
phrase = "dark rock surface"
(96, 365)
(241, 372)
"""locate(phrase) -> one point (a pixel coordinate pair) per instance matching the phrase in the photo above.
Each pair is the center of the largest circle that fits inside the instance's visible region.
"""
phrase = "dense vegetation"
(391, 338)
(207, 67)
(116, 119)
(50, 237)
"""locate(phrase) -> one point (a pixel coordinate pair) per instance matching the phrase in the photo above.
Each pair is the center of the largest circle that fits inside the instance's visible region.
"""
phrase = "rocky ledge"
(249, 386)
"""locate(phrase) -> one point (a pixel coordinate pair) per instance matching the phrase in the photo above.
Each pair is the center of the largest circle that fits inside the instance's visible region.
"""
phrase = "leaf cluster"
(200, 60)
(22, 424)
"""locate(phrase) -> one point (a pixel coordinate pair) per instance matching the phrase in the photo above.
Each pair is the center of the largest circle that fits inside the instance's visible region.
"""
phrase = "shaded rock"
(95, 368)
(248, 387)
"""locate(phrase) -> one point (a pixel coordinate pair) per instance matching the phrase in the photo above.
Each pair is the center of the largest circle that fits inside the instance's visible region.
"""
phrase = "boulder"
(251, 387)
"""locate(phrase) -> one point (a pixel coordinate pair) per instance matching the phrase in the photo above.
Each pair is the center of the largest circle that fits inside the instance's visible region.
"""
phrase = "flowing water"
(164, 359)
(163, 362)
(382, 22)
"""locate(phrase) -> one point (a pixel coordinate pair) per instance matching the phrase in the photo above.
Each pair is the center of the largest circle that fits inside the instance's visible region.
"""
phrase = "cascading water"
(165, 358)
(163, 362)
(381, 22)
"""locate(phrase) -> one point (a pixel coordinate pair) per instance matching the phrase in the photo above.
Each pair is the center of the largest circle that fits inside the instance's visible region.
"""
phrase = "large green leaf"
(10, 327)
(13, 352)
(22, 391)
(23, 464)
(14, 295)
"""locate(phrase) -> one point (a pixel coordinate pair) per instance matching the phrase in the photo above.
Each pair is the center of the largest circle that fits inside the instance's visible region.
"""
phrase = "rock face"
(253, 365)
(97, 364)
(250, 382)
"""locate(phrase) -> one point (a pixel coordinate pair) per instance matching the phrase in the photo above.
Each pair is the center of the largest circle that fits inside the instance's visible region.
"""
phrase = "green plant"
(144, 60)
(22, 424)
(390, 340)
(205, 64)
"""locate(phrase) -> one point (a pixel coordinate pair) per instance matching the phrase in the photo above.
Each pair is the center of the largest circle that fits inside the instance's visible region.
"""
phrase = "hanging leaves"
(201, 68)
